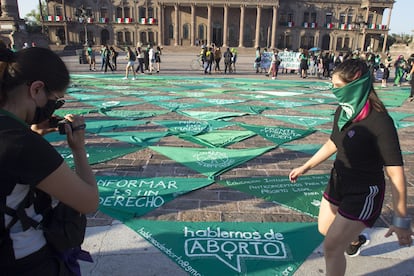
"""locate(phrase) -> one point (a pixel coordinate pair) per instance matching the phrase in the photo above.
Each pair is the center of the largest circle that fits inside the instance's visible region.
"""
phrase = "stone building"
(326, 24)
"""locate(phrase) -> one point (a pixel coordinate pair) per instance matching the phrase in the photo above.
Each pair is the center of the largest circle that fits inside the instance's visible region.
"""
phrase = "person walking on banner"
(366, 144)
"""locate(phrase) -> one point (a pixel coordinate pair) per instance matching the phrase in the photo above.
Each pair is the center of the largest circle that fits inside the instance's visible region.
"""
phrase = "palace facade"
(327, 24)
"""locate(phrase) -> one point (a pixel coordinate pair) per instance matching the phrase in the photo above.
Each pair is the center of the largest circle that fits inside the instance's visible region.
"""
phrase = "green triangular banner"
(219, 138)
(305, 121)
(290, 104)
(98, 154)
(97, 126)
(172, 106)
(303, 196)
(126, 197)
(251, 109)
(192, 127)
(78, 111)
(210, 115)
(89, 97)
(232, 248)
(139, 138)
(221, 101)
(398, 116)
(132, 114)
(279, 135)
(109, 104)
(210, 162)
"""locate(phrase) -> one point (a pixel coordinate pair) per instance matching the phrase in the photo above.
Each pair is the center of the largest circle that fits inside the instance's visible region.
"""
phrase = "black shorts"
(356, 200)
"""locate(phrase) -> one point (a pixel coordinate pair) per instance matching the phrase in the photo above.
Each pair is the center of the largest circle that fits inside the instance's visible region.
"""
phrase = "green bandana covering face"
(352, 98)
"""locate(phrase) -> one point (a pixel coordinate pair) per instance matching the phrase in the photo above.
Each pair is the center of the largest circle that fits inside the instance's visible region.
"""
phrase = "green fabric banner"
(132, 114)
(54, 137)
(310, 149)
(251, 109)
(98, 126)
(139, 138)
(98, 154)
(394, 98)
(78, 111)
(210, 162)
(328, 112)
(305, 121)
(124, 197)
(303, 196)
(232, 248)
(192, 127)
(210, 115)
(157, 98)
(221, 101)
(398, 116)
(172, 106)
(278, 135)
(89, 97)
(219, 138)
(290, 104)
(108, 104)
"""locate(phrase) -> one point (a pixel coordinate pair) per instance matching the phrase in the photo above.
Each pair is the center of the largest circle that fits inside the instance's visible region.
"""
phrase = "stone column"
(274, 26)
(364, 31)
(209, 19)
(226, 26)
(176, 26)
(160, 25)
(241, 33)
(384, 46)
(258, 19)
(193, 25)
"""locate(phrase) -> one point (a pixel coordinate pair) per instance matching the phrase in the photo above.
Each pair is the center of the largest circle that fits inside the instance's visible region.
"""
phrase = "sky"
(402, 21)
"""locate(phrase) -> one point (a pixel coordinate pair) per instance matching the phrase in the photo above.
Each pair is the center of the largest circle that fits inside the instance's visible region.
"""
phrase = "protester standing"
(366, 144)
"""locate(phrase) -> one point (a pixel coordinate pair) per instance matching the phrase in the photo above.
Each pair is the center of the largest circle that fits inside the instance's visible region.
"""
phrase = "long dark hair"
(28, 65)
(351, 69)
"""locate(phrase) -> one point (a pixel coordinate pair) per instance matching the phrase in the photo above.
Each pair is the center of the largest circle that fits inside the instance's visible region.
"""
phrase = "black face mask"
(44, 113)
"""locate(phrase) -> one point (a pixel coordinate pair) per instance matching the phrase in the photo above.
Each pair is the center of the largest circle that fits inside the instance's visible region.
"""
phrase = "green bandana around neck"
(352, 98)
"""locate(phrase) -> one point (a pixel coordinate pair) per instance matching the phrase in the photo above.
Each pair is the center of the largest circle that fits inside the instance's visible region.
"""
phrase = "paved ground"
(119, 251)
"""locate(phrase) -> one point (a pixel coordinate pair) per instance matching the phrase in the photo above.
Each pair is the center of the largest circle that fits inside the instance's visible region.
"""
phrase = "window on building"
(370, 19)
(290, 17)
(104, 13)
(170, 31)
(186, 31)
(342, 18)
(58, 11)
(306, 17)
(282, 18)
(118, 12)
(313, 17)
(142, 12)
(346, 43)
(328, 18)
(127, 12)
(150, 12)
(303, 42)
(288, 42)
(88, 11)
(201, 32)
(350, 19)
(339, 42)
(120, 38)
(128, 39)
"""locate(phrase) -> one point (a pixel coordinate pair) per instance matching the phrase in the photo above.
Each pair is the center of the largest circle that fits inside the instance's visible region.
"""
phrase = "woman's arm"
(323, 153)
(399, 199)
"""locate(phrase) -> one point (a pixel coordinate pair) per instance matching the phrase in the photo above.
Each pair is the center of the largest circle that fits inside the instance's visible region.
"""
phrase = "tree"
(34, 18)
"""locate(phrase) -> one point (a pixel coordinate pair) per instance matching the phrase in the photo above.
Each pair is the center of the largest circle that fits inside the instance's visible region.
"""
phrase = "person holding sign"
(33, 83)
(366, 143)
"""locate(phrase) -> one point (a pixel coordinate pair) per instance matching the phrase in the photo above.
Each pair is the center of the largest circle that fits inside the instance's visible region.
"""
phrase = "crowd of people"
(147, 58)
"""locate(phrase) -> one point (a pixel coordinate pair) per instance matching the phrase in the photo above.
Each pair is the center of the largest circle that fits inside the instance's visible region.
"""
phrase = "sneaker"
(410, 99)
(353, 250)
(124, 78)
(133, 79)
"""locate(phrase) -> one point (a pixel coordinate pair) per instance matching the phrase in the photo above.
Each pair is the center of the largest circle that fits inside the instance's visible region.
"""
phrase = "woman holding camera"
(32, 85)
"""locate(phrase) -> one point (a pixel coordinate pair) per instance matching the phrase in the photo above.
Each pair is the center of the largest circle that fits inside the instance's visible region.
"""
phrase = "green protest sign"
(303, 196)
(210, 162)
(305, 121)
(232, 248)
(124, 197)
(97, 154)
(279, 135)
(219, 138)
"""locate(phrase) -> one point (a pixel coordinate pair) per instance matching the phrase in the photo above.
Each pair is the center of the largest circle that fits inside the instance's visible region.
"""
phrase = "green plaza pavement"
(185, 161)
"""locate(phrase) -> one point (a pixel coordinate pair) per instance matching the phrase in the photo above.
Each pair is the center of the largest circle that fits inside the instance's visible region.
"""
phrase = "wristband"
(401, 222)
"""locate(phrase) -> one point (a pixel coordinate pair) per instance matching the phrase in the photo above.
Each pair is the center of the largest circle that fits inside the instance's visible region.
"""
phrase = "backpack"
(63, 227)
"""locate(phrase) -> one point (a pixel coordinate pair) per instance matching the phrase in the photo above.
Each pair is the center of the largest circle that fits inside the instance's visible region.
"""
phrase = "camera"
(59, 122)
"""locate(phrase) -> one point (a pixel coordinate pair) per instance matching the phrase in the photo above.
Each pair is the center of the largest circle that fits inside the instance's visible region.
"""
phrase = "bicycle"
(196, 64)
